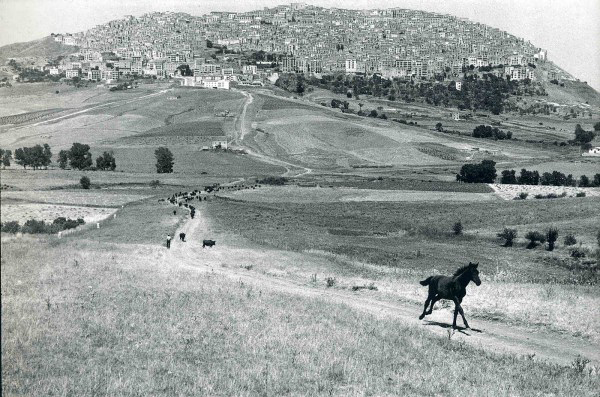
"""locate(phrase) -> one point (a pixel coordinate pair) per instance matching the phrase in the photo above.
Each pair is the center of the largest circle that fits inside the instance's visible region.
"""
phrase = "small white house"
(595, 151)
(221, 143)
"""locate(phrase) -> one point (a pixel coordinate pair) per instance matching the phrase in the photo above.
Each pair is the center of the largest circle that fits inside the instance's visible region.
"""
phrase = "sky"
(568, 29)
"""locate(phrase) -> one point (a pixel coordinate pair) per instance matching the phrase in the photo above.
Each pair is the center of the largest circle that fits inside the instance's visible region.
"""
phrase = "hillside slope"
(44, 48)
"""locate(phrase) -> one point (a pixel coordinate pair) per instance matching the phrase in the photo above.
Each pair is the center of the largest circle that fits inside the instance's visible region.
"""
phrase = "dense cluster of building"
(300, 38)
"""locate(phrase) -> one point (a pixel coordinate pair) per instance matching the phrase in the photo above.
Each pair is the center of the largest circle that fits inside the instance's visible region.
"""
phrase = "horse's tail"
(426, 281)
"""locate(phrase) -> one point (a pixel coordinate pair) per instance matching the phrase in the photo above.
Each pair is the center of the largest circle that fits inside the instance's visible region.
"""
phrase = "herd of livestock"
(183, 199)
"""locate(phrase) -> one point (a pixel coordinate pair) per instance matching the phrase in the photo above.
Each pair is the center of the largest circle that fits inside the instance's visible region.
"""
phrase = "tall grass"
(90, 320)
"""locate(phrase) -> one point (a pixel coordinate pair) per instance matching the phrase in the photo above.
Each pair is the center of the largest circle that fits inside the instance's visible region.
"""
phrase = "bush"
(523, 195)
(330, 281)
(10, 227)
(85, 182)
(33, 226)
(155, 183)
(457, 228)
(273, 180)
(534, 238)
(570, 239)
(580, 194)
(508, 235)
(551, 236)
(578, 253)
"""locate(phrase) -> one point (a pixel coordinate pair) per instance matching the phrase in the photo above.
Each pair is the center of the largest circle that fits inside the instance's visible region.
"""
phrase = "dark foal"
(453, 288)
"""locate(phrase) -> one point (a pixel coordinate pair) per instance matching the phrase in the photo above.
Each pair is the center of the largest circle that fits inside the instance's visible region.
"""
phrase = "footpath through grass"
(85, 318)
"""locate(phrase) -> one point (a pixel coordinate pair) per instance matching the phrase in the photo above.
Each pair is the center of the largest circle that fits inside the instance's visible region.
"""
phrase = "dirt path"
(231, 256)
(292, 170)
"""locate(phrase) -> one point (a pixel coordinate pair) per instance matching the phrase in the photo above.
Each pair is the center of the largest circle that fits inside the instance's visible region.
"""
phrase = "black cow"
(182, 236)
(208, 243)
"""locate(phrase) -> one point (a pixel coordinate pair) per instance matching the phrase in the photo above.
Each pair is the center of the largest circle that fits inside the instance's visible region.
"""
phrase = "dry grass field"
(309, 290)
(395, 245)
(131, 319)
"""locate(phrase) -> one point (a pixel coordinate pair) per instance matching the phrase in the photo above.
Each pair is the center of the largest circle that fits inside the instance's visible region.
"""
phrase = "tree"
(597, 180)
(485, 172)
(85, 182)
(106, 162)
(528, 177)
(508, 235)
(508, 177)
(582, 136)
(20, 157)
(6, 156)
(185, 70)
(79, 156)
(597, 126)
(164, 160)
(534, 237)
(551, 236)
(63, 158)
(46, 155)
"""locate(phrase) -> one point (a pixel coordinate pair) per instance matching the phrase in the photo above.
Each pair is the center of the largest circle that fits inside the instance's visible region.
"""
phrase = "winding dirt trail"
(231, 254)
(292, 170)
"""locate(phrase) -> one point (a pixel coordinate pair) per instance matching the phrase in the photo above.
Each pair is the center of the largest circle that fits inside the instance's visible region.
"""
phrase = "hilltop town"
(251, 47)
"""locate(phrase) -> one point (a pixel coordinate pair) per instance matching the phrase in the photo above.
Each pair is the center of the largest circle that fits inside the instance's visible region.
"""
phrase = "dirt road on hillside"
(231, 254)
(292, 170)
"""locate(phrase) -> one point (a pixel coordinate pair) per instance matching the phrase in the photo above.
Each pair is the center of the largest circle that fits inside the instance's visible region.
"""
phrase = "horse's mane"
(460, 270)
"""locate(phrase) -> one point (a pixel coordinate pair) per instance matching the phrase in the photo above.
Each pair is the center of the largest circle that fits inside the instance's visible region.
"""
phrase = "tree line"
(489, 93)
(40, 156)
(78, 157)
(554, 178)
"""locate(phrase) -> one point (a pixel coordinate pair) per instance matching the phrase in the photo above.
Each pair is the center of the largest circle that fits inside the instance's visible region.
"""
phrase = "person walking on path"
(168, 241)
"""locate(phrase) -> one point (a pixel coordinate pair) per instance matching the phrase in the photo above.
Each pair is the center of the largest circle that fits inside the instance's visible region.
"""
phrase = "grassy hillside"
(128, 320)
(44, 48)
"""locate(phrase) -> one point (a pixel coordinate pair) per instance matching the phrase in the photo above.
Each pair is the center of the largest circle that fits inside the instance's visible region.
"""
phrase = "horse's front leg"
(425, 308)
(456, 306)
(462, 313)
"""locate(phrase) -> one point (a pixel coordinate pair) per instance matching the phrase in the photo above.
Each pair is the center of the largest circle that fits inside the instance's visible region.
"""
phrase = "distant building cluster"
(395, 43)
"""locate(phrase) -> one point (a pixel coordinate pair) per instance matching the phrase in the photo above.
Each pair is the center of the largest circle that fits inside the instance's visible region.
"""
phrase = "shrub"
(85, 182)
(273, 180)
(578, 253)
(457, 228)
(580, 194)
(508, 235)
(551, 236)
(33, 226)
(523, 195)
(330, 281)
(570, 239)
(155, 183)
(10, 227)
(534, 238)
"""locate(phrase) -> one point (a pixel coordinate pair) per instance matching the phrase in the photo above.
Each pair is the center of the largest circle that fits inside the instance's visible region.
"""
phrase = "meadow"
(394, 245)
(129, 319)
(289, 301)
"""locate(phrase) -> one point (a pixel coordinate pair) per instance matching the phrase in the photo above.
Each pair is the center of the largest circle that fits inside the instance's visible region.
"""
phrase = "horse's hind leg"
(433, 301)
